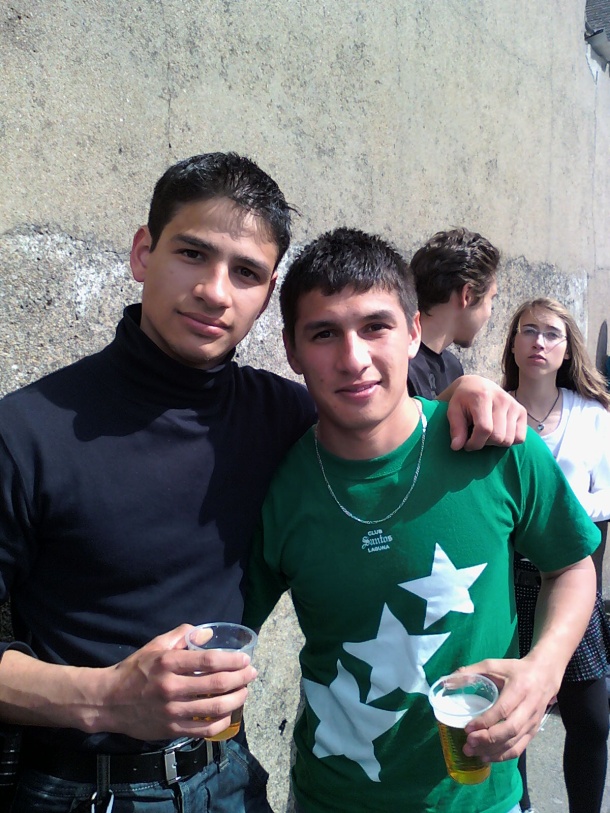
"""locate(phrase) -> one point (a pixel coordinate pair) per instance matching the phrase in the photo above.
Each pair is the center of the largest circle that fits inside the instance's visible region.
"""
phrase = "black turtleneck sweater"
(129, 488)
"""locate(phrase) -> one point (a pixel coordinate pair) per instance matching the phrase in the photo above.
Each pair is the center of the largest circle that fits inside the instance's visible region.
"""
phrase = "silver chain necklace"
(424, 425)
(540, 423)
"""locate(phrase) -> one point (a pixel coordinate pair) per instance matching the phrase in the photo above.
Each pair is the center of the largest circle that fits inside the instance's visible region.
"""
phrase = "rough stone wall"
(400, 118)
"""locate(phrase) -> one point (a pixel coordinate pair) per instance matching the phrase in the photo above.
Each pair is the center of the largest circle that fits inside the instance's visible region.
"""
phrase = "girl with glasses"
(546, 368)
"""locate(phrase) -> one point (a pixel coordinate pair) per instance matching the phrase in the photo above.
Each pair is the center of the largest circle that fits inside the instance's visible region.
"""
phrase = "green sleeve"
(264, 581)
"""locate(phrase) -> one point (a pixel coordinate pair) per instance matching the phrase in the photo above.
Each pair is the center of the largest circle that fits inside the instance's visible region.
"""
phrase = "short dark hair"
(346, 258)
(221, 175)
(450, 260)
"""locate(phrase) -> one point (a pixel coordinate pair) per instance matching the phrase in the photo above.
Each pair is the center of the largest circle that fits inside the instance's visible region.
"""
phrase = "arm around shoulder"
(481, 414)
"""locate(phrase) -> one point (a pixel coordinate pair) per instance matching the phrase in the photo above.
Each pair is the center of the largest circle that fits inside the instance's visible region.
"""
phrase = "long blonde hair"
(577, 371)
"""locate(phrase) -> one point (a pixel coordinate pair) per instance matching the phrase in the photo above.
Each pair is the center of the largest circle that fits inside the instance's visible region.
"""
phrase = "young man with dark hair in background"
(455, 279)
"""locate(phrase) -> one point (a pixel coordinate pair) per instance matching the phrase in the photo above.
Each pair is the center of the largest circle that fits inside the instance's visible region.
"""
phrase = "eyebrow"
(325, 324)
(204, 245)
(545, 325)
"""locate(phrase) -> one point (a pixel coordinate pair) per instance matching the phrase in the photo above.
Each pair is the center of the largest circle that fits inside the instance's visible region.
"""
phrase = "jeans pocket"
(37, 791)
(240, 783)
(241, 756)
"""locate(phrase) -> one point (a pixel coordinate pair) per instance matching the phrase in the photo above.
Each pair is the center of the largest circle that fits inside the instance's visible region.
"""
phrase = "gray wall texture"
(399, 118)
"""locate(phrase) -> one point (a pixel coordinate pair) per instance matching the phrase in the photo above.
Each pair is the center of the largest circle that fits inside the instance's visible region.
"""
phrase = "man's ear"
(272, 283)
(414, 337)
(290, 353)
(466, 296)
(140, 251)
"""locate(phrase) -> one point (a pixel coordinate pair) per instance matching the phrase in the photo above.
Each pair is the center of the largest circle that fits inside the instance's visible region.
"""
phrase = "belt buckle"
(169, 760)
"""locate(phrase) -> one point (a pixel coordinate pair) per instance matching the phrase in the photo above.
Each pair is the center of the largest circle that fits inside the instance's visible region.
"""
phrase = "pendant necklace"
(424, 425)
(539, 423)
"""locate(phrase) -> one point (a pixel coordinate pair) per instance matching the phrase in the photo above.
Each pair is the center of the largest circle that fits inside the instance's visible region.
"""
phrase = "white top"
(581, 446)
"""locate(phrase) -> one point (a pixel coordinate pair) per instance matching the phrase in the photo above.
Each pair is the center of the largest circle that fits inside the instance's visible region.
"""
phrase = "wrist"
(94, 710)
(548, 668)
(83, 703)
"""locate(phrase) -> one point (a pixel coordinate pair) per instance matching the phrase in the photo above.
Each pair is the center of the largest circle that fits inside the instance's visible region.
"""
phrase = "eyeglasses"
(549, 337)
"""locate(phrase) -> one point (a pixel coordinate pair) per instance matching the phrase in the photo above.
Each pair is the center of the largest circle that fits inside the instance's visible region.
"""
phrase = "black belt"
(178, 761)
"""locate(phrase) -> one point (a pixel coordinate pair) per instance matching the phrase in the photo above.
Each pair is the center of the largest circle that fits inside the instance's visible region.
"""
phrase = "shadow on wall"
(601, 354)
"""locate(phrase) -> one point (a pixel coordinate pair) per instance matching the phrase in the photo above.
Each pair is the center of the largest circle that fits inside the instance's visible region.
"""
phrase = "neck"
(436, 332)
(536, 394)
(368, 441)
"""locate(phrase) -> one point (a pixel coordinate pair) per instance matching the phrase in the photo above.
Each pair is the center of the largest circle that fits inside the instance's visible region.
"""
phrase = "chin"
(464, 343)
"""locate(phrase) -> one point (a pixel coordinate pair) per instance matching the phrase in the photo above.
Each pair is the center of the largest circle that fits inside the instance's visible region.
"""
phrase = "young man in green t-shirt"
(398, 553)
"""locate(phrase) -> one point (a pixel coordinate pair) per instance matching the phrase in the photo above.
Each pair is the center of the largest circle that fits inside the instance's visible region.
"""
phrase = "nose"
(213, 287)
(355, 355)
(539, 341)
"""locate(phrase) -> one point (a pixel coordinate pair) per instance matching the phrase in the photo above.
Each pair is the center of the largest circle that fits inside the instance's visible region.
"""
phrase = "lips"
(363, 388)
(202, 322)
(536, 360)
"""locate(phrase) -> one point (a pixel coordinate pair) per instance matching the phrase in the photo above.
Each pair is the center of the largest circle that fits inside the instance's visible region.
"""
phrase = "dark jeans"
(237, 786)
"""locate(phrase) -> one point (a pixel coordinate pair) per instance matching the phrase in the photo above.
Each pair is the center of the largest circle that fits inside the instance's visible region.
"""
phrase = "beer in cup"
(456, 700)
(232, 637)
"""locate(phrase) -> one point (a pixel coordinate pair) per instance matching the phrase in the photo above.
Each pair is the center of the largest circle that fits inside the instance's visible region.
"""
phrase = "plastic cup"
(231, 637)
(456, 700)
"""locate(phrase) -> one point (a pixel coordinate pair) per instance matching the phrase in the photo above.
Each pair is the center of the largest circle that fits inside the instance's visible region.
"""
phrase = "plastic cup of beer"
(231, 637)
(456, 700)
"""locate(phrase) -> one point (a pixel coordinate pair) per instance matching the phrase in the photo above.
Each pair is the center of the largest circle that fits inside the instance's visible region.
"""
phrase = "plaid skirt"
(592, 655)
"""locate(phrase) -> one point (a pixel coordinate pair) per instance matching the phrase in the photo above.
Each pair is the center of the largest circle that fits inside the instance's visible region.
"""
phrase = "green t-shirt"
(388, 608)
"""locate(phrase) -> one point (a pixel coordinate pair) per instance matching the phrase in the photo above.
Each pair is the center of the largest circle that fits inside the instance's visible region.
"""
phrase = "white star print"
(347, 726)
(397, 657)
(446, 589)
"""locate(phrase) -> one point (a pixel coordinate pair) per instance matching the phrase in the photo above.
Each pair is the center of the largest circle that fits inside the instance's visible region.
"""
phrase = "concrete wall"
(396, 117)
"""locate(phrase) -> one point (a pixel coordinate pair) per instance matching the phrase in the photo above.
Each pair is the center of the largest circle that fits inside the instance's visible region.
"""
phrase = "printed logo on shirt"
(376, 540)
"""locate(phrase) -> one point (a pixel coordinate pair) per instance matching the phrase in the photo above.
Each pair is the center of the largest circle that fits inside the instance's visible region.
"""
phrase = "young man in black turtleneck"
(130, 483)
(455, 278)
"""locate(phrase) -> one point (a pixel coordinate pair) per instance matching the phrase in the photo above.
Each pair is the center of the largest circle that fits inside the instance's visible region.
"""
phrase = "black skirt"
(592, 655)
